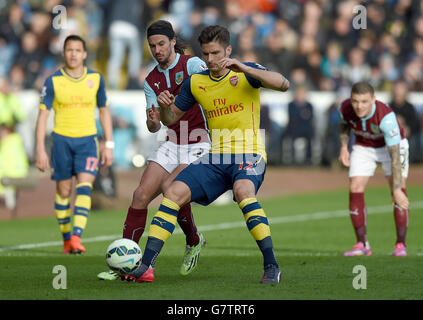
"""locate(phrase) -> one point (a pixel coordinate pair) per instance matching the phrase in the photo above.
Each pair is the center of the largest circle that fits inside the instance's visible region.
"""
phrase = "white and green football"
(123, 256)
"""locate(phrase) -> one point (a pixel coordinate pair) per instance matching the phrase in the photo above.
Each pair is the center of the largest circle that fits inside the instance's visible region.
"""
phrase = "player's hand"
(165, 99)
(401, 199)
(42, 161)
(153, 114)
(232, 64)
(344, 156)
(106, 157)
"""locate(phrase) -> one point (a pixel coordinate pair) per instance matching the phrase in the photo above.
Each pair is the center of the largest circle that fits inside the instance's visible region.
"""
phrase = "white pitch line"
(230, 225)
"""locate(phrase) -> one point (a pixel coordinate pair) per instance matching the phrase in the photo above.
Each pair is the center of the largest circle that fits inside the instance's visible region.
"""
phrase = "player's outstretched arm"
(106, 124)
(399, 197)
(169, 113)
(269, 79)
(42, 161)
(344, 137)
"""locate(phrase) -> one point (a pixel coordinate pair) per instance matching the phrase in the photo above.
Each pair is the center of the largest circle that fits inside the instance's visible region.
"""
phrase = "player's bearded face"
(362, 104)
(74, 54)
(213, 52)
(161, 48)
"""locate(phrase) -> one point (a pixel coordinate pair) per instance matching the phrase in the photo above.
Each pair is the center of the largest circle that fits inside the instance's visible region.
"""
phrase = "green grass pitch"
(310, 233)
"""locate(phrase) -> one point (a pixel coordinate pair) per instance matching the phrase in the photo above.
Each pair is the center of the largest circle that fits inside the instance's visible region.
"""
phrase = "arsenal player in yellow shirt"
(74, 92)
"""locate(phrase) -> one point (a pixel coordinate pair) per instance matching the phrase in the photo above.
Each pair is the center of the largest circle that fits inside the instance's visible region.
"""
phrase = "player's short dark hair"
(74, 37)
(165, 28)
(362, 87)
(215, 33)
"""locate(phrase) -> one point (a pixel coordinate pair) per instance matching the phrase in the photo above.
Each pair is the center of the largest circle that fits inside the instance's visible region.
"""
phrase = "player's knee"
(357, 188)
(64, 192)
(178, 192)
(243, 189)
(141, 198)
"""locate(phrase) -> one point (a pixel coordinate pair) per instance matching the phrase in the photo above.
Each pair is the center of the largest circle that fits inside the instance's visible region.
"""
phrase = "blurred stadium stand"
(313, 43)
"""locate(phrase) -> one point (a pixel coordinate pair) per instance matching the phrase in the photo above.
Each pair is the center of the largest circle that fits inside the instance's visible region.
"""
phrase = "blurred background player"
(13, 159)
(379, 139)
(73, 92)
(230, 97)
(187, 140)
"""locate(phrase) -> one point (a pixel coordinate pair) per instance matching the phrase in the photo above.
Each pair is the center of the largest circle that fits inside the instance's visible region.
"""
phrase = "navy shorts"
(70, 156)
(213, 174)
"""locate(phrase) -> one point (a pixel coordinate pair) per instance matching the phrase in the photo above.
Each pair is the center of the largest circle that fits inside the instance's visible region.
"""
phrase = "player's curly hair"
(215, 33)
(165, 28)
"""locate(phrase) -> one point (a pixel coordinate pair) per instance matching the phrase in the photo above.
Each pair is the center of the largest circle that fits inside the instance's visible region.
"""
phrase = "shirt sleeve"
(150, 96)
(47, 95)
(101, 93)
(390, 129)
(185, 100)
(255, 83)
(340, 115)
(195, 65)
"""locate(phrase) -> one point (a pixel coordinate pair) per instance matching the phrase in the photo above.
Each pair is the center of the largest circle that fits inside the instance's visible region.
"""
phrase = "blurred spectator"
(413, 74)
(245, 41)
(181, 11)
(197, 24)
(388, 72)
(11, 31)
(308, 59)
(30, 58)
(299, 76)
(266, 124)
(410, 120)
(332, 63)
(234, 18)
(7, 55)
(300, 125)
(343, 34)
(356, 69)
(263, 23)
(17, 79)
(40, 26)
(125, 32)
(89, 18)
(376, 17)
(278, 52)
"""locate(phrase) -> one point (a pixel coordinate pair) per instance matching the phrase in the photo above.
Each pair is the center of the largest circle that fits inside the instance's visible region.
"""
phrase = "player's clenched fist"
(42, 161)
(165, 99)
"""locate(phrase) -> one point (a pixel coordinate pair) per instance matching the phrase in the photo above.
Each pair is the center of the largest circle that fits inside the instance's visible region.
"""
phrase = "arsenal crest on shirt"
(90, 83)
(233, 80)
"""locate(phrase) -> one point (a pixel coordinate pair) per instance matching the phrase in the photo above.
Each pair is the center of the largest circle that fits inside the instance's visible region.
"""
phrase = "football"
(123, 256)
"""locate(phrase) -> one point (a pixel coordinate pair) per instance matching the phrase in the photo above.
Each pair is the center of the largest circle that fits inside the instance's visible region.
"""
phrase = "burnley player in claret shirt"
(379, 139)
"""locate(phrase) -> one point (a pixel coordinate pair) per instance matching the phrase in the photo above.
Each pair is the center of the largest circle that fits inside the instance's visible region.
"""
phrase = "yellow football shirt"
(231, 105)
(74, 101)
